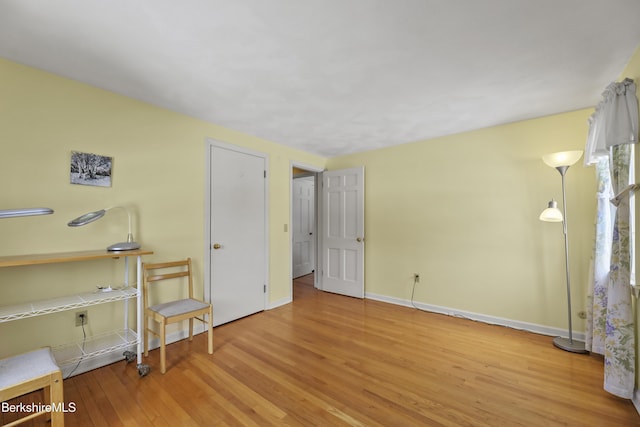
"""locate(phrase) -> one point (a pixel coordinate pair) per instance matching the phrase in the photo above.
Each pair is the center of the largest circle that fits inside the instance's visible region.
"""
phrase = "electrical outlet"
(416, 277)
(81, 318)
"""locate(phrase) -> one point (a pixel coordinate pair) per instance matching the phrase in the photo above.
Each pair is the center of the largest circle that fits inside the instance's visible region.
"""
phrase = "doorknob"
(217, 246)
(359, 239)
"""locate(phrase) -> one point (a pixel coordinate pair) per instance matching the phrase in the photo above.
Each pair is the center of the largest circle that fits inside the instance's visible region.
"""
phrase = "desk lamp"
(93, 216)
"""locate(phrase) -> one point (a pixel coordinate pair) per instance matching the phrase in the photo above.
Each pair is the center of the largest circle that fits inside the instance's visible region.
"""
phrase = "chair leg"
(163, 342)
(191, 329)
(47, 398)
(210, 331)
(146, 336)
(57, 400)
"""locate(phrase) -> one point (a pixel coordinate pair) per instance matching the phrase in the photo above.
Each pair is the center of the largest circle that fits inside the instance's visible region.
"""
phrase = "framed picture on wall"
(91, 169)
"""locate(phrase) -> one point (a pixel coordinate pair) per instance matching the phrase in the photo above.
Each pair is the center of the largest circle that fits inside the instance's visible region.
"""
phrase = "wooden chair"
(30, 372)
(173, 311)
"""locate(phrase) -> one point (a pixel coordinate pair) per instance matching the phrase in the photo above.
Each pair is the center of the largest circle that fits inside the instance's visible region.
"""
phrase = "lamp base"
(124, 246)
(569, 345)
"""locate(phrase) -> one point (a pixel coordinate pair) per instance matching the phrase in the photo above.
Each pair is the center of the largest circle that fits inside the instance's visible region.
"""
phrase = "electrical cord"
(413, 291)
(84, 340)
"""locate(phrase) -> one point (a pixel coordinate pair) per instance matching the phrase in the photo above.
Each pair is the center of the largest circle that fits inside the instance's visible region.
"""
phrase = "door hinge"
(265, 289)
(265, 174)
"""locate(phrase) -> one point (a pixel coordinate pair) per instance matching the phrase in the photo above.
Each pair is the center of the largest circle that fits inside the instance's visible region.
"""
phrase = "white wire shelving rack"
(94, 346)
(70, 302)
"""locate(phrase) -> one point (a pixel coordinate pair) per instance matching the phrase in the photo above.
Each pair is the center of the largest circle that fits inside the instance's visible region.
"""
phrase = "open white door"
(343, 232)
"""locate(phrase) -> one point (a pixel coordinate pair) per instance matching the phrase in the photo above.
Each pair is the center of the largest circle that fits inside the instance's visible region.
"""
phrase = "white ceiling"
(334, 76)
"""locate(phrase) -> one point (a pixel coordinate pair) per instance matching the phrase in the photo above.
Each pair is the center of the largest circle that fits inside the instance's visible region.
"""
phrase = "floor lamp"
(561, 162)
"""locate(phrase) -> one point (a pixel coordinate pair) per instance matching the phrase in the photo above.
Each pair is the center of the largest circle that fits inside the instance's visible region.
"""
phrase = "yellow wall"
(159, 170)
(462, 211)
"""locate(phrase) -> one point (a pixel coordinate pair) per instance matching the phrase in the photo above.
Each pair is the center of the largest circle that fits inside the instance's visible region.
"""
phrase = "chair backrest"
(151, 272)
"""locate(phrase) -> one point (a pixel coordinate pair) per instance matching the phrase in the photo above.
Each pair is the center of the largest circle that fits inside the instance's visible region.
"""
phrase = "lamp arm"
(130, 234)
(563, 171)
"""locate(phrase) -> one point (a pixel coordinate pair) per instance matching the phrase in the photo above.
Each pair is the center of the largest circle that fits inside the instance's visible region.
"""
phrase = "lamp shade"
(12, 213)
(86, 218)
(562, 158)
(552, 213)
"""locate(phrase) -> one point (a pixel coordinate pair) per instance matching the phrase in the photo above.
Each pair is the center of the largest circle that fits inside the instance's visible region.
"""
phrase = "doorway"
(339, 229)
(304, 223)
(303, 226)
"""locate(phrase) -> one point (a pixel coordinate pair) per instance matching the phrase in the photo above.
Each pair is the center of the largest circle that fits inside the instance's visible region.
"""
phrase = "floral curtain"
(613, 131)
(619, 371)
(599, 275)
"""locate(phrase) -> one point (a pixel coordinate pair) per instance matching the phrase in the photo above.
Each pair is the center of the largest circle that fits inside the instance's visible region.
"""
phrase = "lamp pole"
(561, 342)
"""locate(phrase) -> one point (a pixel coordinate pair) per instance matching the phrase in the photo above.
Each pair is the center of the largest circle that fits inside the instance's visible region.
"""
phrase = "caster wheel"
(143, 369)
(129, 356)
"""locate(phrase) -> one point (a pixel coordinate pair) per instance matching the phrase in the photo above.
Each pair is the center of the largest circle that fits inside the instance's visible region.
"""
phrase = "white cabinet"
(69, 355)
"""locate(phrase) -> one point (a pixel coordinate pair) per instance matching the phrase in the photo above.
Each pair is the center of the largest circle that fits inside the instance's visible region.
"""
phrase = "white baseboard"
(636, 400)
(279, 303)
(492, 320)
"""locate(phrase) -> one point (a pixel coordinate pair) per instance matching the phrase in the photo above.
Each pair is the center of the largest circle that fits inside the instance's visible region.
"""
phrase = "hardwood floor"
(329, 360)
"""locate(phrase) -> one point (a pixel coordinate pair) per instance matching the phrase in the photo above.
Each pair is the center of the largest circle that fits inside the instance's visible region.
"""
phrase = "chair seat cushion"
(175, 308)
(27, 366)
